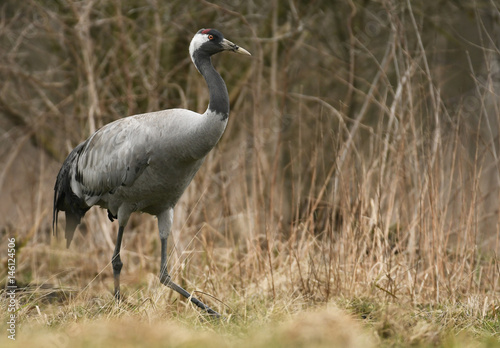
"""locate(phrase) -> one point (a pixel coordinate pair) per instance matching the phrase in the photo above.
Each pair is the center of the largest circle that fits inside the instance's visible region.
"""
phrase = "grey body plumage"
(143, 163)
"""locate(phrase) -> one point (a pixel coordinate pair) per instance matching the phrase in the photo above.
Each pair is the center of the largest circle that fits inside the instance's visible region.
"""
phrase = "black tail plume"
(66, 200)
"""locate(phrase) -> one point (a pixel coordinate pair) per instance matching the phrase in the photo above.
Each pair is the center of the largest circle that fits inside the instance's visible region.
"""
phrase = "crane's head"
(208, 42)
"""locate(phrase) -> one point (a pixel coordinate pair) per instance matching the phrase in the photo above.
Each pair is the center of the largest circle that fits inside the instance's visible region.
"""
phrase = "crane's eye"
(210, 37)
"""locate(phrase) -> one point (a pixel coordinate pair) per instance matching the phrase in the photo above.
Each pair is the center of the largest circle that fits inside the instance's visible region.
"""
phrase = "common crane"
(143, 163)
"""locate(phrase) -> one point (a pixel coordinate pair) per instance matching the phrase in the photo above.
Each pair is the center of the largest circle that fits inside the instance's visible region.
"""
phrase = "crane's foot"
(167, 281)
(117, 295)
(117, 265)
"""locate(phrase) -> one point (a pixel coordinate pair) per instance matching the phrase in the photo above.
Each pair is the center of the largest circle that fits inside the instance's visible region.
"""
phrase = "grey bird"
(143, 163)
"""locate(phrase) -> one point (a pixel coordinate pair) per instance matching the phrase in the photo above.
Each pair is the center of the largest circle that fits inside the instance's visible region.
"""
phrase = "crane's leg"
(117, 262)
(164, 225)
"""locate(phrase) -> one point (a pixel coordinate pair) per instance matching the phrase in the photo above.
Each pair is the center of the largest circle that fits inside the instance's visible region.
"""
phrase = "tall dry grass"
(360, 159)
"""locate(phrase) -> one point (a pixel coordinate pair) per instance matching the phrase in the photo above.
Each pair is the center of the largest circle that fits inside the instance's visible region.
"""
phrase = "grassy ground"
(353, 200)
(147, 319)
(75, 306)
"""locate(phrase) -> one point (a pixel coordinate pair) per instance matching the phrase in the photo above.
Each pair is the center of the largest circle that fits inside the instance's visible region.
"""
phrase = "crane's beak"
(229, 46)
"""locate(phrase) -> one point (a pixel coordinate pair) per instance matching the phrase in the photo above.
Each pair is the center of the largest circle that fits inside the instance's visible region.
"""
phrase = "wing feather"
(114, 156)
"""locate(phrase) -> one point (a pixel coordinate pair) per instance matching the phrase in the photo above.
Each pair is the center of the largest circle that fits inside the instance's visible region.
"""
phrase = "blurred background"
(362, 146)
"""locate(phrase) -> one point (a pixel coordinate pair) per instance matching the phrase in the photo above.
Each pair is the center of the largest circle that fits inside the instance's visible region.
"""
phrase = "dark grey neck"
(219, 98)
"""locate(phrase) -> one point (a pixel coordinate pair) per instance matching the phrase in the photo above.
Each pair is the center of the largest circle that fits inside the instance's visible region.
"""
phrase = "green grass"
(152, 315)
(142, 320)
